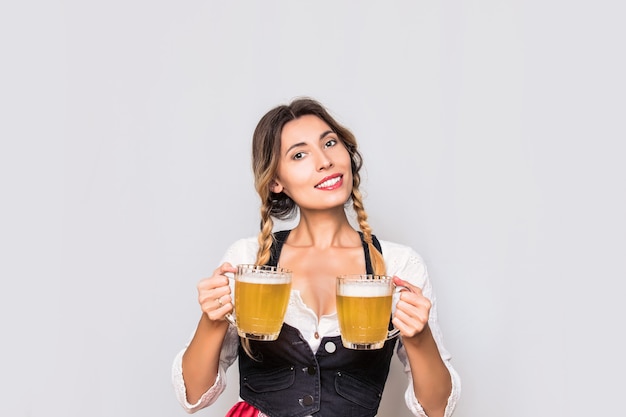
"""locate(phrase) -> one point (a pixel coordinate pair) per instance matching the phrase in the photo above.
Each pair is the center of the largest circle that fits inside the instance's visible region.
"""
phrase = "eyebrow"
(295, 145)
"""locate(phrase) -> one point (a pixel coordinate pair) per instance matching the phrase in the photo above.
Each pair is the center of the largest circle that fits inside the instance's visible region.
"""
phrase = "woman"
(304, 161)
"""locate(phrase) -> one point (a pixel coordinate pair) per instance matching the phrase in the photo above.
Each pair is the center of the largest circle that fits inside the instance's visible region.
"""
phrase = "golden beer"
(364, 311)
(261, 299)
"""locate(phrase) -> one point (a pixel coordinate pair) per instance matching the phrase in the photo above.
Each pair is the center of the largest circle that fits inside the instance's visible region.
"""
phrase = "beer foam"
(263, 278)
(368, 289)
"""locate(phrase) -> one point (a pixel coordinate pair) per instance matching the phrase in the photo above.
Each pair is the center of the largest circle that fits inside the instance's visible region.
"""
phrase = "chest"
(315, 272)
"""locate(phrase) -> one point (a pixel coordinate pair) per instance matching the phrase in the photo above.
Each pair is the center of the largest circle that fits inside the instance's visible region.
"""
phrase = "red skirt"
(243, 409)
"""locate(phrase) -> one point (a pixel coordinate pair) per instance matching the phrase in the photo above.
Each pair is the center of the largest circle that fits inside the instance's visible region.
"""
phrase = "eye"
(329, 143)
(298, 155)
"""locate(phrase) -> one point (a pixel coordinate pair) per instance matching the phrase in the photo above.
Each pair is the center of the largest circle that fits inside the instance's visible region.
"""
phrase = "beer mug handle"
(394, 332)
(230, 317)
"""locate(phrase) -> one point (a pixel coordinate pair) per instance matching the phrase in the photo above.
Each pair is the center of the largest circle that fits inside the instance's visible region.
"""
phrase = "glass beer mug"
(364, 310)
(260, 302)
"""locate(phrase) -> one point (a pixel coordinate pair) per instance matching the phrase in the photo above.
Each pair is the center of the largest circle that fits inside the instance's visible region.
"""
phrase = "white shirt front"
(400, 261)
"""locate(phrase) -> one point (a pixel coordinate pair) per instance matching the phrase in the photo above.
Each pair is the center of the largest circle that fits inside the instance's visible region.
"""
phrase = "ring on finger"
(219, 301)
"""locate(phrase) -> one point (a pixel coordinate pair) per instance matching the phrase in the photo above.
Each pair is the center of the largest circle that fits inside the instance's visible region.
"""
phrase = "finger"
(411, 314)
(216, 281)
(219, 277)
(218, 314)
(415, 299)
(402, 283)
(414, 305)
(207, 294)
(405, 330)
(398, 281)
(225, 300)
(206, 284)
(224, 268)
(408, 325)
(211, 304)
(413, 310)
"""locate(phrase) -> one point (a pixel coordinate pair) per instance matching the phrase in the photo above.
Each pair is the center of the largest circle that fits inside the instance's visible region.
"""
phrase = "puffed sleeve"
(242, 251)
(408, 265)
(227, 357)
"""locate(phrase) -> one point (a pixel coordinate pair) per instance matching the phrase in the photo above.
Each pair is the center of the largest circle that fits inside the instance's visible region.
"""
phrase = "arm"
(197, 369)
(201, 366)
(201, 360)
(228, 356)
(431, 380)
(422, 356)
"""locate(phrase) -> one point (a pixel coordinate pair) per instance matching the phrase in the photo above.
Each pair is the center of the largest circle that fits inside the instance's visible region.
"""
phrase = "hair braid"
(265, 237)
(378, 263)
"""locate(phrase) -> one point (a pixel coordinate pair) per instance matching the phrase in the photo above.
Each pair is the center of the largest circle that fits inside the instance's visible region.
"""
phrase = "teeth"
(328, 183)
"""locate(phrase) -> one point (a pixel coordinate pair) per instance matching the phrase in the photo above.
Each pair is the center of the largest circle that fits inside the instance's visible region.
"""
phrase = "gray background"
(493, 137)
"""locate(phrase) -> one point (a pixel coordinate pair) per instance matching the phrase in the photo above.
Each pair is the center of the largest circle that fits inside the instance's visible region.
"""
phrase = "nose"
(324, 163)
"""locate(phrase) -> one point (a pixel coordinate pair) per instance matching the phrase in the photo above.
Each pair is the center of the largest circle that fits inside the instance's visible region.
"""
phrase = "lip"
(328, 178)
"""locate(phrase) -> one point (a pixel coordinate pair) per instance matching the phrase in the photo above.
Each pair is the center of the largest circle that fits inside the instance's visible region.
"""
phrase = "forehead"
(303, 129)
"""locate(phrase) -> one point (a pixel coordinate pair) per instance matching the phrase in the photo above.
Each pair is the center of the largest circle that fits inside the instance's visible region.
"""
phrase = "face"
(314, 166)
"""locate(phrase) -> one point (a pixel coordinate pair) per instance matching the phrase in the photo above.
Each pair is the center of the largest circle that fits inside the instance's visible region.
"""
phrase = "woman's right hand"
(214, 293)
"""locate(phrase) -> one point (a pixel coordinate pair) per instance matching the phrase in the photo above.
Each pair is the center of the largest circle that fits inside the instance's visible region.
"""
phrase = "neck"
(323, 230)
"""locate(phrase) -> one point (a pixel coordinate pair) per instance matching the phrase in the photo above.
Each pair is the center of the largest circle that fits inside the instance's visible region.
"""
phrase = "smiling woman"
(313, 166)
(304, 160)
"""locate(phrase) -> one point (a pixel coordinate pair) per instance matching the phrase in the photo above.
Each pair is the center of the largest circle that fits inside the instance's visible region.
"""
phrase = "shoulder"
(404, 261)
(244, 251)
(241, 251)
(393, 250)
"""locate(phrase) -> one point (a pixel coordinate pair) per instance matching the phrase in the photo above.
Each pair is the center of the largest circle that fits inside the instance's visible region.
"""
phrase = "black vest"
(288, 379)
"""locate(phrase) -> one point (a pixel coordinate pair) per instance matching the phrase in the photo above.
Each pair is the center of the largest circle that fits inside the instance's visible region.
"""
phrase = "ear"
(276, 187)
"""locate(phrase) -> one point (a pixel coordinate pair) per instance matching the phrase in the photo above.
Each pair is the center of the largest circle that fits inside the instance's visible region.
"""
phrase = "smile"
(330, 183)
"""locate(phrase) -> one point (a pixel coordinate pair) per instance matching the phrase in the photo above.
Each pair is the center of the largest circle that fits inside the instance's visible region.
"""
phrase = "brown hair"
(265, 155)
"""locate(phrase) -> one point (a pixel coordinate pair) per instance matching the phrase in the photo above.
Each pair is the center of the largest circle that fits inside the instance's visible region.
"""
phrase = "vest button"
(311, 370)
(330, 347)
(307, 400)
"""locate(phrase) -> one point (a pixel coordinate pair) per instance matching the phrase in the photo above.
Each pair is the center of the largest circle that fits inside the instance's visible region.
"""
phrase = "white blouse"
(400, 260)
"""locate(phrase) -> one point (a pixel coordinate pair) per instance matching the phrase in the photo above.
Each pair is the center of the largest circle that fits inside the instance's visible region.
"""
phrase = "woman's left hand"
(412, 310)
